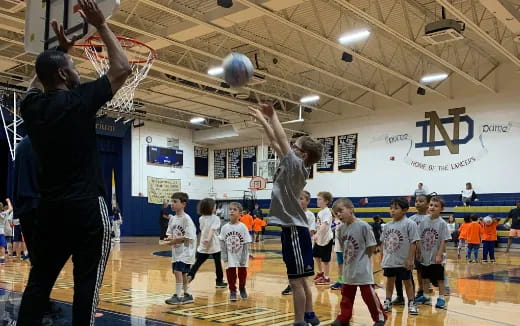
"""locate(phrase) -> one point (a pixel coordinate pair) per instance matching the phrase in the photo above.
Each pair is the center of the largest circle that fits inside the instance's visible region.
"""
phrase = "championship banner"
(160, 190)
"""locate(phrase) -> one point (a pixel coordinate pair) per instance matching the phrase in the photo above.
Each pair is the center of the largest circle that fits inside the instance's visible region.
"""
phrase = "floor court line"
(480, 318)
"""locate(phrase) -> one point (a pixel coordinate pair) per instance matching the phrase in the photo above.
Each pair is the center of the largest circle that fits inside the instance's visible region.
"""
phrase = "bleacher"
(496, 204)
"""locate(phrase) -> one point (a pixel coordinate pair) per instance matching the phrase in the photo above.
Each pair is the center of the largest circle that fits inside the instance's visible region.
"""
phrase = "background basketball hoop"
(140, 56)
(257, 183)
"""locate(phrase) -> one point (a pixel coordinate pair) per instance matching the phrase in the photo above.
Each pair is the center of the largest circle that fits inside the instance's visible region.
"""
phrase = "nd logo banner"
(435, 123)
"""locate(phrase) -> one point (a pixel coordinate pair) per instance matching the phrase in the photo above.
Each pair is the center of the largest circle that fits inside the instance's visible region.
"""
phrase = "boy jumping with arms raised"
(287, 212)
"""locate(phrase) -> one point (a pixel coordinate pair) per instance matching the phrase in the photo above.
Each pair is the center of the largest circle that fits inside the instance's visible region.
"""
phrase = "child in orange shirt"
(257, 228)
(473, 237)
(248, 221)
(463, 230)
(489, 237)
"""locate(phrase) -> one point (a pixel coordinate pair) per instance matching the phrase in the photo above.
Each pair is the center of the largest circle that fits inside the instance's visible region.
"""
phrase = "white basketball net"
(123, 100)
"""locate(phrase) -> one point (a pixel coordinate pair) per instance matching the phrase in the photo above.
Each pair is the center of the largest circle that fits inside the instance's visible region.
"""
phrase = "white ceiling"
(294, 45)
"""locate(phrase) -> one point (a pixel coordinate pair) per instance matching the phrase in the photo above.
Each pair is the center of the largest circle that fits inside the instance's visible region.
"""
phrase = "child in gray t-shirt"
(286, 211)
(358, 244)
(434, 234)
(421, 205)
(399, 239)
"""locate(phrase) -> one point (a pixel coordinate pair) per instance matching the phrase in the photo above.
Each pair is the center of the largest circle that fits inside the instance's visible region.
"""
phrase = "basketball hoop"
(140, 56)
(257, 183)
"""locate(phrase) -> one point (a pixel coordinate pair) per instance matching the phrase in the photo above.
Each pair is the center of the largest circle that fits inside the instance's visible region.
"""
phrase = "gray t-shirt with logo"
(355, 239)
(397, 238)
(432, 232)
(418, 218)
(288, 183)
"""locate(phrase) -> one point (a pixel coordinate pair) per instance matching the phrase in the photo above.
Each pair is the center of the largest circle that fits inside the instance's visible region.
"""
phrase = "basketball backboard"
(39, 35)
(265, 169)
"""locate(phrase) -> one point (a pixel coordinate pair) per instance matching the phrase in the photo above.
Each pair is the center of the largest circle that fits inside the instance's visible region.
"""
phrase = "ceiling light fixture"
(353, 37)
(309, 99)
(197, 120)
(433, 78)
(215, 71)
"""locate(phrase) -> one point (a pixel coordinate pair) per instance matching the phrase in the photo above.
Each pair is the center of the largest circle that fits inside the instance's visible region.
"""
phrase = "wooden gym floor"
(138, 279)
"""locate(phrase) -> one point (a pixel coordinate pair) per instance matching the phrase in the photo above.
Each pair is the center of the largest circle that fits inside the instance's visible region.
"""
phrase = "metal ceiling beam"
(178, 85)
(333, 44)
(491, 41)
(244, 40)
(251, 89)
(381, 25)
(216, 57)
(122, 25)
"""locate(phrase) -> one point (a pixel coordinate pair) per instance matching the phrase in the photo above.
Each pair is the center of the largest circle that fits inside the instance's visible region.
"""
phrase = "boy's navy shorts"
(297, 251)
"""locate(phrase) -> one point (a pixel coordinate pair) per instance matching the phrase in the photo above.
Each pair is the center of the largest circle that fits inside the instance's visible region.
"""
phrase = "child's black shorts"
(323, 252)
(434, 272)
(398, 272)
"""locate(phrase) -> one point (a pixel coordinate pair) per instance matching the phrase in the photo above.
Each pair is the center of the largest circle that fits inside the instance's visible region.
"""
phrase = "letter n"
(435, 122)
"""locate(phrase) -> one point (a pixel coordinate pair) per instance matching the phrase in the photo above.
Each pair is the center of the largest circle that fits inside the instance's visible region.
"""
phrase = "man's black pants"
(80, 229)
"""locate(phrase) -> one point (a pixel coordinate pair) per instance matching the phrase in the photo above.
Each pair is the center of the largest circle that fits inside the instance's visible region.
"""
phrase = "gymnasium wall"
(388, 162)
(196, 187)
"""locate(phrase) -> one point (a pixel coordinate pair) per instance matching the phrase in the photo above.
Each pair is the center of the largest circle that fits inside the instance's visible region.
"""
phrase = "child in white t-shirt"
(336, 223)
(182, 236)
(323, 239)
(235, 239)
(209, 241)
(5, 216)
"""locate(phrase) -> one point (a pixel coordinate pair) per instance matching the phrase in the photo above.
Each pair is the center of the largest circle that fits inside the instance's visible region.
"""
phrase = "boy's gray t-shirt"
(418, 218)
(355, 239)
(288, 183)
(397, 236)
(432, 232)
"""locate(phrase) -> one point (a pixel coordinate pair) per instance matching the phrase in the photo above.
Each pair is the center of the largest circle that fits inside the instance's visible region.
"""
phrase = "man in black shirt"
(26, 191)
(59, 114)
(164, 219)
(514, 232)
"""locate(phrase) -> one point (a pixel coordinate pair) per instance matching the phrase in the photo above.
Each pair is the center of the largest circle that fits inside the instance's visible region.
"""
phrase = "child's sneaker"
(398, 301)
(412, 308)
(379, 323)
(317, 276)
(441, 303)
(188, 298)
(323, 281)
(243, 294)
(221, 285)
(173, 300)
(493, 261)
(314, 321)
(287, 291)
(2, 260)
(233, 296)
(339, 323)
(423, 300)
(484, 261)
(387, 305)
(336, 286)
